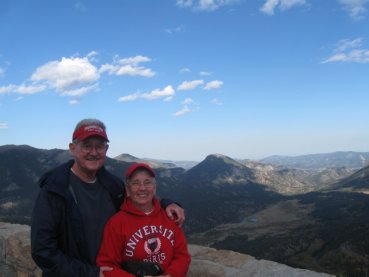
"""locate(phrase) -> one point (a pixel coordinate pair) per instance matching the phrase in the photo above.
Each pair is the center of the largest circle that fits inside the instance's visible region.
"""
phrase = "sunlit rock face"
(208, 262)
(16, 261)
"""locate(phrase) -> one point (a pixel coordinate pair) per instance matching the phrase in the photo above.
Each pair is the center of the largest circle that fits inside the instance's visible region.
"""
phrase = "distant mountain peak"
(153, 163)
(126, 157)
(219, 169)
(223, 158)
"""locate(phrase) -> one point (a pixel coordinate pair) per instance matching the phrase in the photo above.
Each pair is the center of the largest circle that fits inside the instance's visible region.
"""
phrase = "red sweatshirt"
(132, 235)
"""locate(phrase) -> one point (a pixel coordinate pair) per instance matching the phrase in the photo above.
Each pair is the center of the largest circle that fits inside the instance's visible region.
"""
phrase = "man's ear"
(72, 148)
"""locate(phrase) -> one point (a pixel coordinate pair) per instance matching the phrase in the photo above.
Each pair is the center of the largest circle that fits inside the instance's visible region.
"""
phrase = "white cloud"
(7, 89)
(130, 97)
(204, 5)
(134, 60)
(92, 56)
(168, 99)
(73, 102)
(23, 89)
(135, 71)
(3, 125)
(205, 73)
(66, 73)
(2, 71)
(188, 85)
(182, 112)
(184, 3)
(128, 66)
(19, 98)
(287, 4)
(168, 92)
(188, 101)
(80, 91)
(270, 5)
(357, 56)
(185, 70)
(216, 101)
(171, 31)
(209, 5)
(111, 69)
(355, 8)
(213, 85)
(345, 44)
(348, 51)
(186, 109)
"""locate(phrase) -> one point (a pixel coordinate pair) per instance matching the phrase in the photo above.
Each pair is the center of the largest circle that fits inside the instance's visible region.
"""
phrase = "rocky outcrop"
(15, 252)
(16, 261)
(208, 262)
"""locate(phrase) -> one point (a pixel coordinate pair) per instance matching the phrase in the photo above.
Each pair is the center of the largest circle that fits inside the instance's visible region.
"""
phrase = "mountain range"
(316, 161)
(314, 218)
(347, 159)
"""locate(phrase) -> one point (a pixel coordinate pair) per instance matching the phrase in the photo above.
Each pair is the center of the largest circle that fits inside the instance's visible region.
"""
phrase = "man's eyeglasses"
(136, 184)
(87, 147)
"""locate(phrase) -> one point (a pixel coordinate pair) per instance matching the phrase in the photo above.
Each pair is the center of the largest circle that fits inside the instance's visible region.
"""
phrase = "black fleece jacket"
(57, 241)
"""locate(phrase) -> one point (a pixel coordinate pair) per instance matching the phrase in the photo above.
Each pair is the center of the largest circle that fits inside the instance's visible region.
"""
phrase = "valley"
(277, 219)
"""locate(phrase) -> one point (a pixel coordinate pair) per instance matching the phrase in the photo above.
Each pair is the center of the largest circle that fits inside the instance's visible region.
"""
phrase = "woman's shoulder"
(118, 219)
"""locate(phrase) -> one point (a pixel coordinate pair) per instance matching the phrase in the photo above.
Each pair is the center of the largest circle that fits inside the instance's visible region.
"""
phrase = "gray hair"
(89, 121)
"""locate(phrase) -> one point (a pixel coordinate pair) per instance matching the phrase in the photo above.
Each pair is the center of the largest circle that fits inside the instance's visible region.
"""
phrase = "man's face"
(90, 154)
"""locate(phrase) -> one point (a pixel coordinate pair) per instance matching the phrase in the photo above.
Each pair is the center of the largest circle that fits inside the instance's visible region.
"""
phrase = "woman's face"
(141, 188)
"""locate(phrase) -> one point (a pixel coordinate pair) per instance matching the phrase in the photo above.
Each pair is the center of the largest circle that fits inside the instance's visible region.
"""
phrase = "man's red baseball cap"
(87, 131)
(136, 166)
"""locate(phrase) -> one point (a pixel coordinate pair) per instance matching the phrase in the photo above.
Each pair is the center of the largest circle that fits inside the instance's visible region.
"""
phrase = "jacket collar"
(57, 179)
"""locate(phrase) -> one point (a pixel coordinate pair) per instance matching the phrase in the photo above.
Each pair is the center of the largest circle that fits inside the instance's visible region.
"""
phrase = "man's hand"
(103, 269)
(176, 213)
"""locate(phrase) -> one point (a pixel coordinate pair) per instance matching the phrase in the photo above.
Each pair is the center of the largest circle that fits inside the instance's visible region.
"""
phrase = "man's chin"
(94, 165)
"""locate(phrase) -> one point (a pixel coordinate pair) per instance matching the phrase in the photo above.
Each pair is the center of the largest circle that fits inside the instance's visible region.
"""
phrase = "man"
(75, 201)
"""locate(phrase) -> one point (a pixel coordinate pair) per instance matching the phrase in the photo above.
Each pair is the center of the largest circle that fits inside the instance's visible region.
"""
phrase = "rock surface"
(208, 262)
(15, 252)
(16, 261)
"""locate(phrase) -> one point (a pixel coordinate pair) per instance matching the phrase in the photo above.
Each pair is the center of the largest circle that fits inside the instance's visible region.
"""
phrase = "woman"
(141, 230)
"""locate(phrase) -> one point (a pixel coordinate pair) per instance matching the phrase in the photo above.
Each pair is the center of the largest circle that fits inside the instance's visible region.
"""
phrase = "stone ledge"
(209, 262)
(16, 261)
(15, 252)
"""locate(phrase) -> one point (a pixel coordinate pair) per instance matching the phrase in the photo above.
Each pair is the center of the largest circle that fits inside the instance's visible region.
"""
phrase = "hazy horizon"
(191, 160)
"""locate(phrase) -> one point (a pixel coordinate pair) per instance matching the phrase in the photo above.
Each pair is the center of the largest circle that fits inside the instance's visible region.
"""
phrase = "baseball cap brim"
(136, 166)
(87, 131)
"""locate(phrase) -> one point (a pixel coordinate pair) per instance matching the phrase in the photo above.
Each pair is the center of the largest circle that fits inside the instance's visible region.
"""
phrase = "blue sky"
(183, 79)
